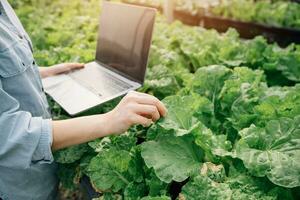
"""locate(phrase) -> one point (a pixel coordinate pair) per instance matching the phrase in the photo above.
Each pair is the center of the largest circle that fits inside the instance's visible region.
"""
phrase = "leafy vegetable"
(71, 154)
(273, 151)
(109, 170)
(156, 198)
(280, 13)
(161, 82)
(173, 158)
(234, 187)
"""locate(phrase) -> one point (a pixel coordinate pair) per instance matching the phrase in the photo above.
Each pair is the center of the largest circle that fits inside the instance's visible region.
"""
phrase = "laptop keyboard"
(99, 81)
(115, 84)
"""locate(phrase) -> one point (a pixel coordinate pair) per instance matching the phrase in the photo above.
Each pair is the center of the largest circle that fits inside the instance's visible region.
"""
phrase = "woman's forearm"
(79, 130)
(134, 108)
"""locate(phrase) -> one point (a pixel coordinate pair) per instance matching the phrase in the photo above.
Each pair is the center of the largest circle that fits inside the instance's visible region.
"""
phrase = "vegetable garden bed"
(248, 30)
(232, 131)
(205, 144)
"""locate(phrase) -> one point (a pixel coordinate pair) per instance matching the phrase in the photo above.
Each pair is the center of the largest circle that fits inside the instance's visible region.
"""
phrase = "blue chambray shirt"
(27, 170)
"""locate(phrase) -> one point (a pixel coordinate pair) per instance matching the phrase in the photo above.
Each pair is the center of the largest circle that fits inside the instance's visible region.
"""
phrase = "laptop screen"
(124, 40)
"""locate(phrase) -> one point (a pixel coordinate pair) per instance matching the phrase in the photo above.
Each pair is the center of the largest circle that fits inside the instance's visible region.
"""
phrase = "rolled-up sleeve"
(24, 139)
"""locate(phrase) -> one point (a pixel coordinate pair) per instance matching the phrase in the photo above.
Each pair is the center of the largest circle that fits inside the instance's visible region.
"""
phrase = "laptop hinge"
(118, 72)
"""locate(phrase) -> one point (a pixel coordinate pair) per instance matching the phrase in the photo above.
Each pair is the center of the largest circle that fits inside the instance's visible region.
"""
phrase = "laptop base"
(86, 88)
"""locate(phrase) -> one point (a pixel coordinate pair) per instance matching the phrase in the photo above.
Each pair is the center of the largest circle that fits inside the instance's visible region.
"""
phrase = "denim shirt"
(27, 170)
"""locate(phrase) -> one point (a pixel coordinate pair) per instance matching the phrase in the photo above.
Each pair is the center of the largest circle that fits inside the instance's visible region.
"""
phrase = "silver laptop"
(124, 42)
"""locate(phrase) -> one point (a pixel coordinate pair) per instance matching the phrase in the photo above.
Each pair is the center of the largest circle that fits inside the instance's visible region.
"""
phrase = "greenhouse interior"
(149, 100)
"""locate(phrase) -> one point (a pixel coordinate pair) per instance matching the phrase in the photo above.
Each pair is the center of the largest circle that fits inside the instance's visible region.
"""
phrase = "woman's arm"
(135, 108)
(59, 69)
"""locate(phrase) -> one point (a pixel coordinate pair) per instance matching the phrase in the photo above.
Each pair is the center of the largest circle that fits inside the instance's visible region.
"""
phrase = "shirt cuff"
(43, 152)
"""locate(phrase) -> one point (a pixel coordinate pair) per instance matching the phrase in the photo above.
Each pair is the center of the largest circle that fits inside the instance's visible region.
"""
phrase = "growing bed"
(233, 127)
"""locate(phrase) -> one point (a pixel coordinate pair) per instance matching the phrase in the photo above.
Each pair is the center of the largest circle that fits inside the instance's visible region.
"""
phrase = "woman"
(28, 135)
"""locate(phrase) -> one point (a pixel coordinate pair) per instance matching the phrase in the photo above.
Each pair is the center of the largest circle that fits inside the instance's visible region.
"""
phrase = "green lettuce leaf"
(243, 108)
(172, 158)
(161, 82)
(71, 154)
(155, 185)
(237, 186)
(232, 88)
(208, 81)
(213, 145)
(109, 196)
(289, 64)
(273, 151)
(179, 121)
(122, 142)
(202, 188)
(278, 102)
(109, 170)
(156, 198)
(135, 191)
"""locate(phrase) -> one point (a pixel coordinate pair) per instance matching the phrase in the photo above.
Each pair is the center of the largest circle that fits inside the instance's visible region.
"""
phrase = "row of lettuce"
(278, 13)
(233, 127)
(273, 13)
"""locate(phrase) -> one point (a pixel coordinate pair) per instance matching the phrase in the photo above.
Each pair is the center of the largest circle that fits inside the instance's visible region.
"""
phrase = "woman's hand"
(135, 108)
(59, 69)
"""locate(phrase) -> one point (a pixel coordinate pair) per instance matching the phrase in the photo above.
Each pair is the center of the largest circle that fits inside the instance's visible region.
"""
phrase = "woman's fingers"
(74, 65)
(66, 67)
(147, 111)
(142, 98)
(138, 119)
(155, 102)
(136, 108)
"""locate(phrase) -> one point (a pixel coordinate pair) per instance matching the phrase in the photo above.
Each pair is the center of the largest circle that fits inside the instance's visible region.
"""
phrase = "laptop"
(123, 46)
